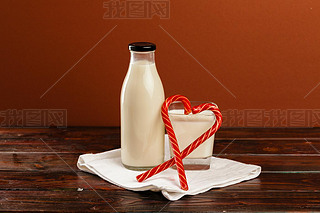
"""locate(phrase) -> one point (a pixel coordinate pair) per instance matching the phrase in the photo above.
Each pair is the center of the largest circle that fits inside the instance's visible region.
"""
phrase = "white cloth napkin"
(222, 172)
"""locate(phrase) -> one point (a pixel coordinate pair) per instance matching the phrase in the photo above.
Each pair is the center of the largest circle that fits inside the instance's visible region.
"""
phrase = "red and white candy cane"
(172, 136)
(193, 145)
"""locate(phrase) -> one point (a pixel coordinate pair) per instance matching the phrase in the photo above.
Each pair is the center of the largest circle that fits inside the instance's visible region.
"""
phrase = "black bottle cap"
(142, 46)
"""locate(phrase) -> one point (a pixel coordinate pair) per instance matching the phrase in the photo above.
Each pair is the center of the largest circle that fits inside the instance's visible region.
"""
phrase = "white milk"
(142, 129)
(189, 127)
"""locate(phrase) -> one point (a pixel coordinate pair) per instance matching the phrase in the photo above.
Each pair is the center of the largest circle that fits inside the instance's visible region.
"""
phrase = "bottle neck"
(142, 57)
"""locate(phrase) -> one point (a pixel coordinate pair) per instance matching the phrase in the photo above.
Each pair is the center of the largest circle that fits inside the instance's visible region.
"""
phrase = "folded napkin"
(222, 172)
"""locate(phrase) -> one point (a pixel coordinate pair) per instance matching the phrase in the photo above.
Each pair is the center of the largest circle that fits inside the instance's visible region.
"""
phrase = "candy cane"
(192, 146)
(172, 136)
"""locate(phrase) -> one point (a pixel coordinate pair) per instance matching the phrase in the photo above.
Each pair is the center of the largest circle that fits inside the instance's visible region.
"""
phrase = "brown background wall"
(266, 53)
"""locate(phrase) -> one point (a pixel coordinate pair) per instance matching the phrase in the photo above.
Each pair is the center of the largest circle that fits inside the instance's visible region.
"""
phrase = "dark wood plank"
(68, 133)
(283, 163)
(94, 145)
(314, 145)
(91, 145)
(44, 180)
(260, 133)
(295, 182)
(127, 201)
(248, 201)
(85, 201)
(88, 132)
(265, 146)
(265, 193)
(37, 161)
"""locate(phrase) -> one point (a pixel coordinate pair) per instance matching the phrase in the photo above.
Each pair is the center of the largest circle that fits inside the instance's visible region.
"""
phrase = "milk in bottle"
(142, 95)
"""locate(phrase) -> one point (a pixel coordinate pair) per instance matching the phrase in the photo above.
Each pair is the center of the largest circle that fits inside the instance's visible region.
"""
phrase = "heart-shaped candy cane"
(193, 145)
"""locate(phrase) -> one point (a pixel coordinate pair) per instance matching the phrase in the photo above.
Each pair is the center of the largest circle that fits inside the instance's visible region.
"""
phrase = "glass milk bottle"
(142, 95)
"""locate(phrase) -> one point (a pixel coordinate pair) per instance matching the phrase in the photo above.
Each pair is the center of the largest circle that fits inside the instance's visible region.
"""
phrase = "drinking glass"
(188, 128)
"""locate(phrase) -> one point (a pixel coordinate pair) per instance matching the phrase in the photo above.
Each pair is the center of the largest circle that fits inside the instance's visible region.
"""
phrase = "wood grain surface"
(38, 173)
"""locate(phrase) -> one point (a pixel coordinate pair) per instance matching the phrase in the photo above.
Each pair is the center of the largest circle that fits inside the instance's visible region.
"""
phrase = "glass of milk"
(187, 129)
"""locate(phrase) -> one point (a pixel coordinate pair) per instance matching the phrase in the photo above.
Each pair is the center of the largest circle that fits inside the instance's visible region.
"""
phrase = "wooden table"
(38, 172)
